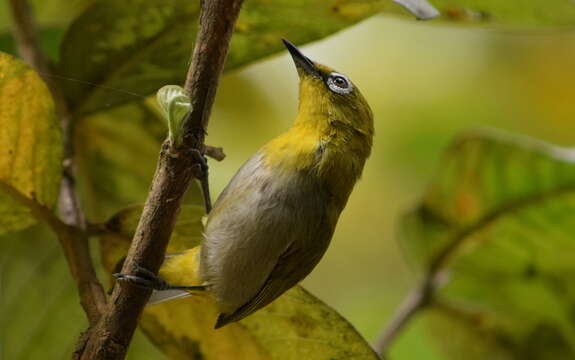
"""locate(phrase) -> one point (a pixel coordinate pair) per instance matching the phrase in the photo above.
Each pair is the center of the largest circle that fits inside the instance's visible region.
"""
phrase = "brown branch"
(422, 296)
(40, 212)
(216, 153)
(111, 336)
(74, 240)
(26, 35)
(416, 300)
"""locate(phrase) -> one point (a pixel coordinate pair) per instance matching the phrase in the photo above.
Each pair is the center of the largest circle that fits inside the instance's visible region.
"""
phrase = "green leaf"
(51, 18)
(175, 105)
(111, 46)
(501, 209)
(59, 12)
(140, 45)
(49, 39)
(295, 326)
(30, 145)
(309, 328)
(40, 316)
(38, 297)
(46, 12)
(517, 13)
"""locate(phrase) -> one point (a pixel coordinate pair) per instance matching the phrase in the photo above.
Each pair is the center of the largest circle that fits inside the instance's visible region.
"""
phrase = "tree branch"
(26, 36)
(111, 337)
(40, 212)
(216, 153)
(25, 33)
(416, 300)
(75, 240)
(423, 295)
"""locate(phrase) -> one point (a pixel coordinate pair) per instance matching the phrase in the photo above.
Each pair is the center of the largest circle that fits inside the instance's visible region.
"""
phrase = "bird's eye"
(339, 83)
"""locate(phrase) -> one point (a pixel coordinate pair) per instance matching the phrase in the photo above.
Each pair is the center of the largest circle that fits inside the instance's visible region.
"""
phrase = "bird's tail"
(159, 297)
(179, 268)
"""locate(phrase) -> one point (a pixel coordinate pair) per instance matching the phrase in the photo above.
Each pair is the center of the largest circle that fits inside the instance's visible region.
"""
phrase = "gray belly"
(263, 219)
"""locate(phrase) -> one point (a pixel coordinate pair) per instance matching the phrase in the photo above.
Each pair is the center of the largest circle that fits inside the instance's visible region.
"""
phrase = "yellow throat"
(332, 134)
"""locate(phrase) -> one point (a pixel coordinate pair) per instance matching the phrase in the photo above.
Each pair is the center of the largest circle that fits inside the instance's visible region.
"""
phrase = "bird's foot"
(200, 171)
(200, 167)
(144, 278)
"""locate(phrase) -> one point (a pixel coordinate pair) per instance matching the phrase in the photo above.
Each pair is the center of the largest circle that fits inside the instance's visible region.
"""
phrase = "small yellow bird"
(274, 221)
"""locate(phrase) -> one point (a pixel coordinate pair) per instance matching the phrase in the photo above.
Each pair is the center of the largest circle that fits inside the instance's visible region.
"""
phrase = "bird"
(274, 220)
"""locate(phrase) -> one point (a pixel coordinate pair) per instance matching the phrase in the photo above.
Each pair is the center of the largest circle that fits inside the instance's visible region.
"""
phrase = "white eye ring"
(339, 83)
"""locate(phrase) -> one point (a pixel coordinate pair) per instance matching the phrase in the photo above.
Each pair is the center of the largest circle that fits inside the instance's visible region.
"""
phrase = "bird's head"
(327, 95)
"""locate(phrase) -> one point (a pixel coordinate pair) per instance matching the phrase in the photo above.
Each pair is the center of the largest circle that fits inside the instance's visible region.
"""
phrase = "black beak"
(300, 60)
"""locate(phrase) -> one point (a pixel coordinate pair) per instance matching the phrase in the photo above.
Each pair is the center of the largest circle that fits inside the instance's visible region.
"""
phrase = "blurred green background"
(425, 83)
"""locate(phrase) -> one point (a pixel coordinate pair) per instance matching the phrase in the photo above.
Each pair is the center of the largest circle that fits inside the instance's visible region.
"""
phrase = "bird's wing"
(291, 268)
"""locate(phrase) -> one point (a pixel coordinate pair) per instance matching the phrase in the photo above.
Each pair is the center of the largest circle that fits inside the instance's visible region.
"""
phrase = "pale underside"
(267, 231)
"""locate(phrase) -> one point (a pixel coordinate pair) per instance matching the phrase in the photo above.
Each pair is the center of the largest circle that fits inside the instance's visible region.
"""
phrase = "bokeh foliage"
(114, 54)
(503, 206)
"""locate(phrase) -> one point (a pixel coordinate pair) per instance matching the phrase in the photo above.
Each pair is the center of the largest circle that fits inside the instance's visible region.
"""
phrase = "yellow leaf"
(295, 326)
(30, 145)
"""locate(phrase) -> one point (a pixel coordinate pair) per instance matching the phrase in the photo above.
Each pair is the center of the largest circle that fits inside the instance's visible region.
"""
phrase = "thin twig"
(216, 153)
(26, 36)
(110, 338)
(417, 299)
(75, 240)
(40, 212)
(422, 296)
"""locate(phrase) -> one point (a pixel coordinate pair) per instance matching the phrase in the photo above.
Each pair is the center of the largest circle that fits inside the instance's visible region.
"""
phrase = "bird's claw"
(200, 172)
(200, 168)
(143, 278)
